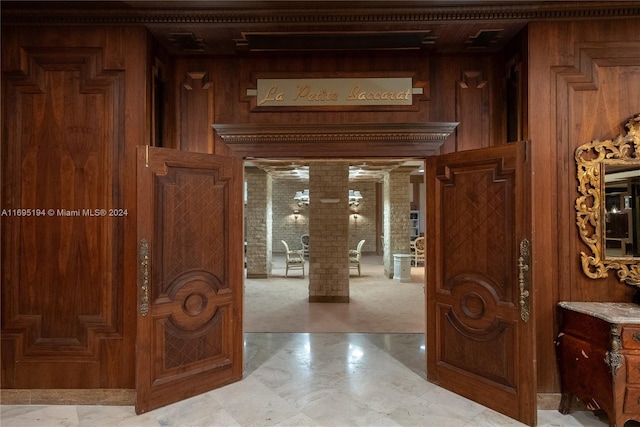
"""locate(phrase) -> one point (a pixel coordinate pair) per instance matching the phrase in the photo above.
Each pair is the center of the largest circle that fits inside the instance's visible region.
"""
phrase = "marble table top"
(612, 312)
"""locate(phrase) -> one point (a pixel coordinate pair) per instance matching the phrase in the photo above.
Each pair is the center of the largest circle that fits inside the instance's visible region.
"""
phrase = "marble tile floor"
(302, 379)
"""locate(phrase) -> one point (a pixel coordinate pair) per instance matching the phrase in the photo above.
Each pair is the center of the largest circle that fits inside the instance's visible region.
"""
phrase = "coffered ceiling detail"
(226, 27)
(360, 170)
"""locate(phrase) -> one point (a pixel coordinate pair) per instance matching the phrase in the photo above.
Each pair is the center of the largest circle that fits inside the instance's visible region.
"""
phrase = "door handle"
(524, 280)
(143, 254)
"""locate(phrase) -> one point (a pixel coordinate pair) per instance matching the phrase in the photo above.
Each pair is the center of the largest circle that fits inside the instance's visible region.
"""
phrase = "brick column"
(396, 217)
(329, 232)
(258, 223)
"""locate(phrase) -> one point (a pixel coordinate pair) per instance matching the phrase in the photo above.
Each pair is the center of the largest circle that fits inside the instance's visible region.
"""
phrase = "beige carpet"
(378, 304)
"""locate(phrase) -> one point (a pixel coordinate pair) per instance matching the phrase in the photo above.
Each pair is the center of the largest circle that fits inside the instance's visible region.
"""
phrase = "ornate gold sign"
(327, 92)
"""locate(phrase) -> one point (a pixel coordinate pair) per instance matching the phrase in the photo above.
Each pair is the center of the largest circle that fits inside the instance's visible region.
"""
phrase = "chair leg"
(358, 269)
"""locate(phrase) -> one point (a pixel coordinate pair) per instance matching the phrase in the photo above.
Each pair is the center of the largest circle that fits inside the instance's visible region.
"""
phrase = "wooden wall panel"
(581, 81)
(67, 314)
(232, 76)
(462, 91)
(472, 110)
(196, 110)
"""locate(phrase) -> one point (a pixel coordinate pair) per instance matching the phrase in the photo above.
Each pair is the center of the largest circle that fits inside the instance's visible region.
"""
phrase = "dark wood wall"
(466, 89)
(74, 108)
(74, 112)
(584, 80)
(77, 102)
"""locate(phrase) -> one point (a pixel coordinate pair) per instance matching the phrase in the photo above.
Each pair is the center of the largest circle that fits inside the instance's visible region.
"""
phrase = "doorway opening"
(277, 300)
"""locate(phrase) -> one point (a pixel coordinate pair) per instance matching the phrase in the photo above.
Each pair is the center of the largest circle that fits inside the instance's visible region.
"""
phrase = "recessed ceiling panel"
(335, 41)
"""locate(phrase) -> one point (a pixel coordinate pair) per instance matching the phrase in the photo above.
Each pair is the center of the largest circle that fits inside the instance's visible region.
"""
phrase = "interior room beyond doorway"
(275, 303)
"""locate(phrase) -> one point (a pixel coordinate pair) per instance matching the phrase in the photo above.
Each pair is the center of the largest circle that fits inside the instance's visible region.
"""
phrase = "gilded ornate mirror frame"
(591, 159)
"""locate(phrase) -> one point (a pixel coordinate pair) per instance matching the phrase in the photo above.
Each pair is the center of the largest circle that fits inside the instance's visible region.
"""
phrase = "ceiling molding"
(212, 12)
(224, 27)
(348, 139)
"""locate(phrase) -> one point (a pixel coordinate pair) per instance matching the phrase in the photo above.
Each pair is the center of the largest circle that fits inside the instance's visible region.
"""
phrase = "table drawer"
(631, 338)
(633, 369)
(632, 400)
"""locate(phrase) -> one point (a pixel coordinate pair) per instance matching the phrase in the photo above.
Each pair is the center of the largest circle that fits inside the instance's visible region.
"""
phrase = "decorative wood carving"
(472, 100)
(473, 80)
(482, 343)
(197, 80)
(62, 283)
(273, 26)
(196, 112)
(316, 15)
(188, 42)
(591, 159)
(484, 38)
(419, 139)
(191, 339)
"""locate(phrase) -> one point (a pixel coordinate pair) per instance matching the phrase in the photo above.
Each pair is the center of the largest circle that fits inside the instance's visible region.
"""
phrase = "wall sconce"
(354, 214)
(296, 212)
(302, 197)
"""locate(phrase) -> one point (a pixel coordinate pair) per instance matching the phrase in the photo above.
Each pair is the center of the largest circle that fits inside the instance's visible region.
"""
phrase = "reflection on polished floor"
(301, 379)
(330, 377)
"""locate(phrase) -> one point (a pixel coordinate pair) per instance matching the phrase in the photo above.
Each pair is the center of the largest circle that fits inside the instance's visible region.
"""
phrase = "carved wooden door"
(480, 340)
(189, 333)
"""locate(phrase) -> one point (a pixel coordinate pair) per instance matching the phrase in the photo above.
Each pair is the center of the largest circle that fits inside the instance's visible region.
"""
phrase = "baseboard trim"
(548, 401)
(102, 396)
(127, 397)
(551, 401)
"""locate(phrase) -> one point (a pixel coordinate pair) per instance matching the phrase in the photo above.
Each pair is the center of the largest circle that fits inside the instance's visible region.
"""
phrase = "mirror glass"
(621, 210)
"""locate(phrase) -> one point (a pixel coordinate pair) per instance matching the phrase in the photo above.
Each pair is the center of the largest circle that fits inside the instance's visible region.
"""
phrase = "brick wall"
(285, 226)
(258, 220)
(364, 226)
(396, 222)
(329, 231)
(268, 221)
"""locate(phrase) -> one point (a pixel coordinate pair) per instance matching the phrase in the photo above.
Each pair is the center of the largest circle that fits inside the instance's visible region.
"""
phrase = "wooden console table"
(598, 351)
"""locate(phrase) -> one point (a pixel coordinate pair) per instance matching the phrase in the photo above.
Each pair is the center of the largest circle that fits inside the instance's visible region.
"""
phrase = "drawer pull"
(636, 336)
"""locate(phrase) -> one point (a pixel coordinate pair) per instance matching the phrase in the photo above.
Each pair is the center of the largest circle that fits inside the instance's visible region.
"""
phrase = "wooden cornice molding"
(317, 140)
(299, 13)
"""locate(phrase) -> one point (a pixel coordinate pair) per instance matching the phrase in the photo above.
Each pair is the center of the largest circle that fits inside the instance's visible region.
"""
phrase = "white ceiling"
(360, 170)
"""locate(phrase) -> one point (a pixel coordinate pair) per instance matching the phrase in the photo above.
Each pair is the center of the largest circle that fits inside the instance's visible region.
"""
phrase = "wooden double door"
(480, 340)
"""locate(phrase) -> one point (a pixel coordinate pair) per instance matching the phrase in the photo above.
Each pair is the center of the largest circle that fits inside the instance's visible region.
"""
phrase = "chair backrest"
(286, 247)
(304, 239)
(360, 244)
(419, 244)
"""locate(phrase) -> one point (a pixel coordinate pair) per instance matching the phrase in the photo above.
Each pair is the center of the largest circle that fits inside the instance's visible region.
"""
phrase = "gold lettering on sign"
(358, 94)
(334, 91)
(310, 95)
(272, 95)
